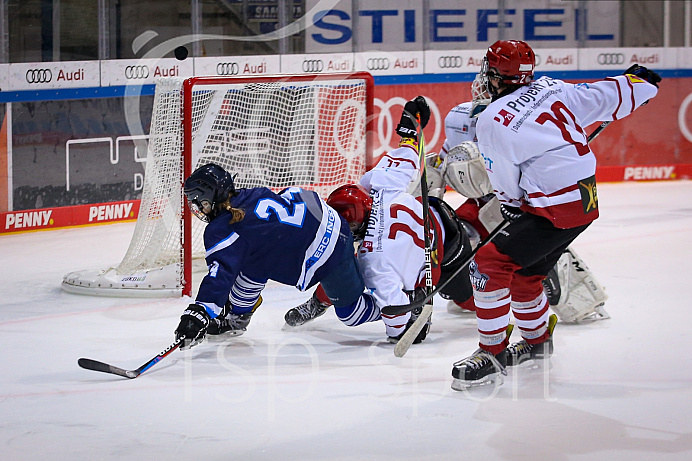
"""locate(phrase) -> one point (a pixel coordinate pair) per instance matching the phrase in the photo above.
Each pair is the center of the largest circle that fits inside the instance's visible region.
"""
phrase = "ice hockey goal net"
(310, 131)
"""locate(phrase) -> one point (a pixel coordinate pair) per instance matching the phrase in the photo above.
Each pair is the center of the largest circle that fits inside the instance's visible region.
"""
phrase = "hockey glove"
(645, 74)
(415, 112)
(510, 213)
(193, 325)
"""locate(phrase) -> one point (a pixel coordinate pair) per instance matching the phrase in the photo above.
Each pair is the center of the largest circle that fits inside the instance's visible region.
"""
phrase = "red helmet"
(353, 203)
(514, 60)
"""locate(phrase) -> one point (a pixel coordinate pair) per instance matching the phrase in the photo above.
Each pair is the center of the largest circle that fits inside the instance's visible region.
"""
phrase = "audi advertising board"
(4, 77)
(316, 63)
(453, 61)
(622, 58)
(77, 74)
(395, 63)
(49, 75)
(684, 58)
(229, 66)
(556, 59)
(143, 71)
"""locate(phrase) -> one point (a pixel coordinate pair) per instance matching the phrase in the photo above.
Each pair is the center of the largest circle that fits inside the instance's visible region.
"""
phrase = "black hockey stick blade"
(419, 303)
(95, 365)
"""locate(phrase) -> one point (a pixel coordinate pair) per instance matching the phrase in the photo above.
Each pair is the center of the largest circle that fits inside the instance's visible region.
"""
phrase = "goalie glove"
(416, 112)
(464, 170)
(193, 326)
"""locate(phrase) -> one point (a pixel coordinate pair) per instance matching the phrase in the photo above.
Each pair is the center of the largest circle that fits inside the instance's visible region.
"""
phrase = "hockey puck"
(180, 53)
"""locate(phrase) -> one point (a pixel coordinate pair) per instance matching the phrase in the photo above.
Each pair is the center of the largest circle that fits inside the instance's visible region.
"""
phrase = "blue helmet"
(206, 188)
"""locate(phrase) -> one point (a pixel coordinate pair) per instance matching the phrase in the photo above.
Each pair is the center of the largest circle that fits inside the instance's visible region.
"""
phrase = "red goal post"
(311, 131)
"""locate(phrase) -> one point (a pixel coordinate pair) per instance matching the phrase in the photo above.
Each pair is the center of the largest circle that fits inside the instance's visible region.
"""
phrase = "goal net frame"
(156, 281)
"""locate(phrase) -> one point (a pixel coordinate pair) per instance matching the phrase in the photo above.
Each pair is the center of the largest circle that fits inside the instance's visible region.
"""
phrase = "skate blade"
(303, 326)
(456, 310)
(221, 337)
(537, 364)
(494, 380)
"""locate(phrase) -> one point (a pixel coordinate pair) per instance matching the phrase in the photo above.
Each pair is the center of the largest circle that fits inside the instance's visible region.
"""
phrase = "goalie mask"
(206, 188)
(353, 203)
(480, 95)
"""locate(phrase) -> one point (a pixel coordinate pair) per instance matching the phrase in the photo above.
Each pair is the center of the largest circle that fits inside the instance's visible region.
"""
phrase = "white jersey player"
(573, 292)
(541, 167)
(391, 255)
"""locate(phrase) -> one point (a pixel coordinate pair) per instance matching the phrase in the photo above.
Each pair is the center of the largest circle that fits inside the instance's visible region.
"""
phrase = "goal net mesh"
(273, 133)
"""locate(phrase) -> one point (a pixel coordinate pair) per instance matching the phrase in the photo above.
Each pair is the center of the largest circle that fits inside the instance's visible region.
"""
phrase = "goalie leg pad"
(581, 297)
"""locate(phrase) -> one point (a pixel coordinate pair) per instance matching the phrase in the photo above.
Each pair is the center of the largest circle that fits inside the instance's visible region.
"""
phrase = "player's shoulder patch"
(635, 79)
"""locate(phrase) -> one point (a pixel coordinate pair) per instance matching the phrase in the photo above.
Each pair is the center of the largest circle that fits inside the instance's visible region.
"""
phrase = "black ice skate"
(481, 368)
(522, 352)
(306, 312)
(230, 325)
(415, 313)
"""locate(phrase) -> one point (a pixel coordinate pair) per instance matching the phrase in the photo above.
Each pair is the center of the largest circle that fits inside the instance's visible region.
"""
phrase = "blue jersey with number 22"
(293, 238)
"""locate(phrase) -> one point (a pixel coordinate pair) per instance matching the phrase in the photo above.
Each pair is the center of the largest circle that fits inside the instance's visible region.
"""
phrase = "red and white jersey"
(459, 127)
(536, 150)
(391, 257)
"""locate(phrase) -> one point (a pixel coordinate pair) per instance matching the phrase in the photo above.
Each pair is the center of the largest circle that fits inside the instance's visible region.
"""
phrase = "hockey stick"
(598, 130)
(403, 308)
(95, 365)
(602, 127)
(411, 334)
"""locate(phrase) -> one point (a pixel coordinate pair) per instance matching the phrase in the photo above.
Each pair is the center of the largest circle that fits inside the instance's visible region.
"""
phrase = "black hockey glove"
(193, 325)
(645, 74)
(415, 112)
(510, 213)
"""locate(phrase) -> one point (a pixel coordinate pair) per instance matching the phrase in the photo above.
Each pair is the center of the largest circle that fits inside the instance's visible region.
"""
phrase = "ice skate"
(306, 312)
(456, 308)
(523, 353)
(423, 333)
(480, 369)
(229, 325)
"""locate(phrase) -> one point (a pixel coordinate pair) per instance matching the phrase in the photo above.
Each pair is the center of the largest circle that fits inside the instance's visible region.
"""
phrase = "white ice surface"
(619, 389)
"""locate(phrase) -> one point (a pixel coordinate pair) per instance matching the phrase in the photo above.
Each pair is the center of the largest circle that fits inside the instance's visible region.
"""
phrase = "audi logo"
(227, 68)
(377, 64)
(313, 65)
(611, 58)
(450, 62)
(39, 75)
(136, 72)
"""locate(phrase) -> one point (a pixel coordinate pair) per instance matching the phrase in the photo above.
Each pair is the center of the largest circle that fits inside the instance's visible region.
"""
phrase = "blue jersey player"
(255, 235)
